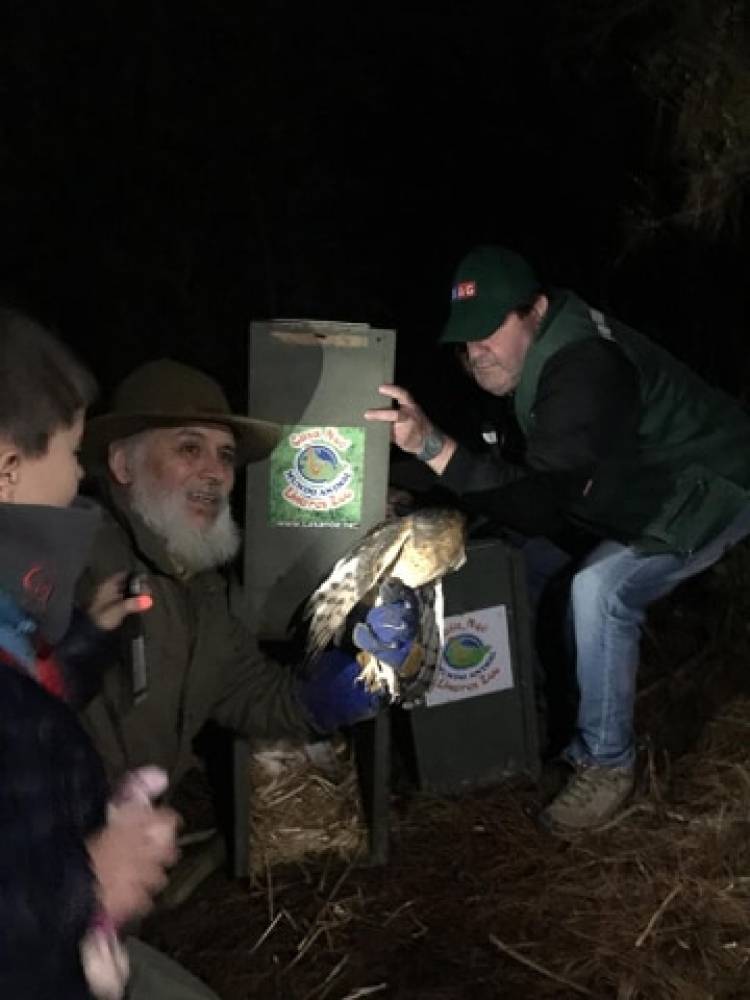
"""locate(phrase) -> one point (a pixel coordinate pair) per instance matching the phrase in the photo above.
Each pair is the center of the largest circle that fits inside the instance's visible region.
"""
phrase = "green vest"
(687, 474)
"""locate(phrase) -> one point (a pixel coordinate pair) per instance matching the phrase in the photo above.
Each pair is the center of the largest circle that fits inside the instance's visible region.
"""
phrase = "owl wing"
(363, 568)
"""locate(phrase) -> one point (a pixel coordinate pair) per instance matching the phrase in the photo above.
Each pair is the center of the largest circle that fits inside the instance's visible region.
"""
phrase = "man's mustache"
(480, 364)
(209, 492)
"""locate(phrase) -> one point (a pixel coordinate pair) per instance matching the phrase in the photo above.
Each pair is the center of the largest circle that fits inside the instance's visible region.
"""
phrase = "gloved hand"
(334, 695)
(390, 628)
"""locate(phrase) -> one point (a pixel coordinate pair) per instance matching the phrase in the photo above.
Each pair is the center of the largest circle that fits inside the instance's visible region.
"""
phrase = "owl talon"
(377, 677)
(413, 662)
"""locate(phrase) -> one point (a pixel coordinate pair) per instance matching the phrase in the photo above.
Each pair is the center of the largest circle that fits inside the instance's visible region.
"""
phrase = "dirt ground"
(477, 902)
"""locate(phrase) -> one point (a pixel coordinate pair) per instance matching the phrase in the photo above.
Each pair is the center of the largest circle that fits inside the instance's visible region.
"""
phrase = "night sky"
(171, 170)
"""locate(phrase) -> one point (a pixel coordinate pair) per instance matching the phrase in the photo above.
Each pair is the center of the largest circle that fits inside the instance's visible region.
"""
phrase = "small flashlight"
(134, 587)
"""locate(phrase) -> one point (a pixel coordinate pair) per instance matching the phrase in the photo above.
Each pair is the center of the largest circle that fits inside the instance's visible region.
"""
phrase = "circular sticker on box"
(466, 651)
(316, 477)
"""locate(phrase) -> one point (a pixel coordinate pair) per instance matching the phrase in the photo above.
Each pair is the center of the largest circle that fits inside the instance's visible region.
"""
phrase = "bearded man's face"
(194, 463)
(179, 481)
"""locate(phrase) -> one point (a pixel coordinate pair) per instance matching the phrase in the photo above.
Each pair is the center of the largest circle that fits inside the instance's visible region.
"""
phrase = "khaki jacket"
(202, 662)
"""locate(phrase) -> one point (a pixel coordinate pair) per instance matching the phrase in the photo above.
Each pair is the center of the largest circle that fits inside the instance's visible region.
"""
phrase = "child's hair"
(42, 385)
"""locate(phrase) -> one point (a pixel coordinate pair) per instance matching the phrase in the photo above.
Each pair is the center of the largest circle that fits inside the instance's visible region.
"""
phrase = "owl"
(416, 550)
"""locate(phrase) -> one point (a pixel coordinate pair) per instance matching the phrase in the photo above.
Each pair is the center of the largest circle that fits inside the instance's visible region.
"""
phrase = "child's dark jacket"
(53, 795)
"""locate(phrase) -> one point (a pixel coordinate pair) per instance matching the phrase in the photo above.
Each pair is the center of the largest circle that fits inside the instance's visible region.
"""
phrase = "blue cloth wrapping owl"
(334, 694)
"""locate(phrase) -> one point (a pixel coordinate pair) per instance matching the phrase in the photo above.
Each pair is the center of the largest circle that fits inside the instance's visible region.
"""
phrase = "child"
(62, 863)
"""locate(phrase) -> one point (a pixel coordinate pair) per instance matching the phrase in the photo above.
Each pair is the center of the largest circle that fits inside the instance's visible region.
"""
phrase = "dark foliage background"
(170, 170)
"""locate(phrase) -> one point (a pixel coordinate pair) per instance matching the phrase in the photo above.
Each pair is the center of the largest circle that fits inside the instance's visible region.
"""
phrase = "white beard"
(194, 547)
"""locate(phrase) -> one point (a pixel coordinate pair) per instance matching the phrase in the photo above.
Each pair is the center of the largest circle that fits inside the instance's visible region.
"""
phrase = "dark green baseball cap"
(489, 283)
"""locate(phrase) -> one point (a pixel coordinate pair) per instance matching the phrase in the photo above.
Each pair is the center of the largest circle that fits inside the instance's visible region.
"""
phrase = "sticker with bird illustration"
(475, 658)
(316, 477)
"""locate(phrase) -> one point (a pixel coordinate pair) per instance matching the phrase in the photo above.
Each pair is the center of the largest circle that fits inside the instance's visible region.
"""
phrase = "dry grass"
(655, 906)
(477, 901)
(298, 811)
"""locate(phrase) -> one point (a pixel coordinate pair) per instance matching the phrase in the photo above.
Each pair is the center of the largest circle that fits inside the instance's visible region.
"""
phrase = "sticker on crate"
(316, 477)
(475, 658)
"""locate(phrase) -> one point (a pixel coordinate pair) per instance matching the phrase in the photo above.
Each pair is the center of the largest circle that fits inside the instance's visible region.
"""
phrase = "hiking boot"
(592, 797)
(555, 775)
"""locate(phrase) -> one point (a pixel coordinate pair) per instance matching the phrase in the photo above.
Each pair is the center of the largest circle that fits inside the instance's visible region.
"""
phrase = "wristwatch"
(431, 446)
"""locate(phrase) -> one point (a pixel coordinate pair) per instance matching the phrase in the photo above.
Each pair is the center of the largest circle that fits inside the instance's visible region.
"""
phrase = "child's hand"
(129, 858)
(109, 607)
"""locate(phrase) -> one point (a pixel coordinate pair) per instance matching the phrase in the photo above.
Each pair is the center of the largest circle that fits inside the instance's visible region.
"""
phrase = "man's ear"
(118, 464)
(10, 470)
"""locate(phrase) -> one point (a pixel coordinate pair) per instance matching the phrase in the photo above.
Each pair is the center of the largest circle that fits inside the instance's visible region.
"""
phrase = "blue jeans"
(609, 595)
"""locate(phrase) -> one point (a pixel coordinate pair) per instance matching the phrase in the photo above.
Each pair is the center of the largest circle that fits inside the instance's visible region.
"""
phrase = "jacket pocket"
(702, 505)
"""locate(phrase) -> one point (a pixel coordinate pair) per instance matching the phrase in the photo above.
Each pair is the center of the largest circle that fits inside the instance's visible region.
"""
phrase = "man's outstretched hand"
(409, 425)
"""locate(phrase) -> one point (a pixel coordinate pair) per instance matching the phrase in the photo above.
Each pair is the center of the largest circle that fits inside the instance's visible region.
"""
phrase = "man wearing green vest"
(622, 441)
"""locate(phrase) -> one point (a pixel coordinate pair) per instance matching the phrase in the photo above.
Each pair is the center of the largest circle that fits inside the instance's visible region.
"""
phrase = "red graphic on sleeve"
(38, 585)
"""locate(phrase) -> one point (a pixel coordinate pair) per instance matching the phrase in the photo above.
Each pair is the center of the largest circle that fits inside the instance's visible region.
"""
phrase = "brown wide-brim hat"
(166, 393)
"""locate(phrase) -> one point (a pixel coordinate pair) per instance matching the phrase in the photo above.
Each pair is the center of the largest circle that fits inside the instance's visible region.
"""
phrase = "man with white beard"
(165, 458)
(193, 516)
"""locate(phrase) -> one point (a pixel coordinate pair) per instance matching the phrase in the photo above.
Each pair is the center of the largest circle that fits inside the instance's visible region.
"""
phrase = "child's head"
(44, 393)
